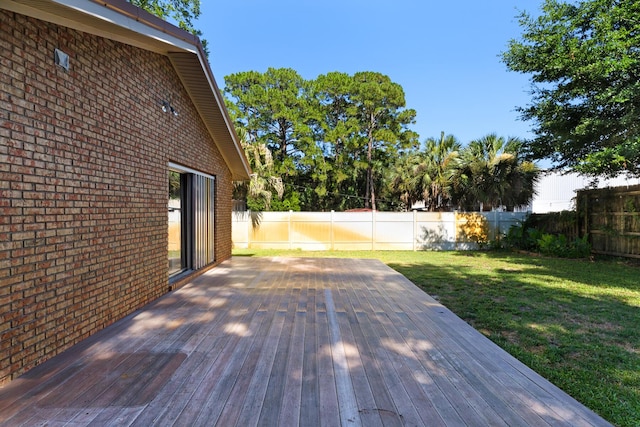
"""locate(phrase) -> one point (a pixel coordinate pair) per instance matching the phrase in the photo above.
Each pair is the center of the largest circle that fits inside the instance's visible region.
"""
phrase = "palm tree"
(435, 181)
(405, 178)
(522, 185)
(424, 175)
(263, 182)
(490, 173)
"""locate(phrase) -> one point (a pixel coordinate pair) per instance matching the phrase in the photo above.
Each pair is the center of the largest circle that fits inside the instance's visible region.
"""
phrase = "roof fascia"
(142, 30)
(225, 114)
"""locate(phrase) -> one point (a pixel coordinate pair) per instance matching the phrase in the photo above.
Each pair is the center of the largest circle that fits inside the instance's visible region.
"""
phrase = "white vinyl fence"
(369, 230)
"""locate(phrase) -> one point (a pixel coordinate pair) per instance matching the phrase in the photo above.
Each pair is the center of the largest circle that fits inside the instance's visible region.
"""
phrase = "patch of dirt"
(510, 336)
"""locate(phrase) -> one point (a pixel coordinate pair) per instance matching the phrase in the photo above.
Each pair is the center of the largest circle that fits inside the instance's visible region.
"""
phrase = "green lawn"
(577, 323)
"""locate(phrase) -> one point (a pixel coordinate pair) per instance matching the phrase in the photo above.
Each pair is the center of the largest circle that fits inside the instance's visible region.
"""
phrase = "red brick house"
(106, 113)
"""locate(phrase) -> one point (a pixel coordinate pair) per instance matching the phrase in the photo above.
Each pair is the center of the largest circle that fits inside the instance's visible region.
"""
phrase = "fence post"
(373, 230)
(589, 224)
(290, 234)
(331, 232)
(455, 230)
(249, 224)
(415, 229)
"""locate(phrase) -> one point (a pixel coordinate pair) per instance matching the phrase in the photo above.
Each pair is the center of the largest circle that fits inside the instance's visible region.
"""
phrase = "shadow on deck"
(287, 341)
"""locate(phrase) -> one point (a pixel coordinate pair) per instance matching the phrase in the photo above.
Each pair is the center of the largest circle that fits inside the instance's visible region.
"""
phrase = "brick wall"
(83, 185)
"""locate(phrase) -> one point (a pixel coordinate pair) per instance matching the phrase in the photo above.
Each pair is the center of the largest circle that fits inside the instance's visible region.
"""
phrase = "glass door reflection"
(175, 223)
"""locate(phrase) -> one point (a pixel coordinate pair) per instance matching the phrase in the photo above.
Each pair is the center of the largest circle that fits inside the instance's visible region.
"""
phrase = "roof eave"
(120, 21)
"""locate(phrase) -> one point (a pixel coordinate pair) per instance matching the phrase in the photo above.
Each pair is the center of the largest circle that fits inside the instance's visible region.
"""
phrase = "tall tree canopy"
(379, 106)
(584, 58)
(343, 141)
(331, 138)
(337, 181)
(272, 109)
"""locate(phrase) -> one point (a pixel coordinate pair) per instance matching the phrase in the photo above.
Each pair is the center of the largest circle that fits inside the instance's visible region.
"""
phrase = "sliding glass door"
(191, 211)
(177, 217)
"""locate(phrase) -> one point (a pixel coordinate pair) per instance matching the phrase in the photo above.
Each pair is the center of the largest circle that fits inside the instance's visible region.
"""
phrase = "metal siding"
(556, 191)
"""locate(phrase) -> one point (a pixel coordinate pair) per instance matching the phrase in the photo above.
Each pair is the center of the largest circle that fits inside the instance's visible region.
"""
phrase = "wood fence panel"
(611, 218)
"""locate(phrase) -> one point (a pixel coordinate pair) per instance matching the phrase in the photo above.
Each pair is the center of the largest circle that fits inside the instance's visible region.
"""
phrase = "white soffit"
(98, 19)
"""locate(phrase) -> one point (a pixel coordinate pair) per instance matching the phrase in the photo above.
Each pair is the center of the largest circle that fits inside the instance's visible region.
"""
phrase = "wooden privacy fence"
(611, 218)
(369, 230)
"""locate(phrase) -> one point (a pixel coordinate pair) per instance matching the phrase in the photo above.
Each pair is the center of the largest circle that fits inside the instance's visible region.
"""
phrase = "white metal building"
(556, 191)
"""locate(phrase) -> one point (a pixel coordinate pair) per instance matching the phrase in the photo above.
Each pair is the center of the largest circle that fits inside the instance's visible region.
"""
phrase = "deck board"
(290, 341)
(310, 394)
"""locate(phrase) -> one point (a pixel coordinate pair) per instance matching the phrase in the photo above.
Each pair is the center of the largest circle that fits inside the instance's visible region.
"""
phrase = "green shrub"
(581, 248)
(522, 237)
(557, 245)
(552, 245)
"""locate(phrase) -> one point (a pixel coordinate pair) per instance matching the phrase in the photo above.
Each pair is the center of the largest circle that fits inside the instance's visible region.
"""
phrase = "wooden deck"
(284, 341)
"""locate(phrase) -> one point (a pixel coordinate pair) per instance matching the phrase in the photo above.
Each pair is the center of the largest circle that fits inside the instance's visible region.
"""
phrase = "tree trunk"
(372, 187)
(370, 184)
(367, 199)
(282, 136)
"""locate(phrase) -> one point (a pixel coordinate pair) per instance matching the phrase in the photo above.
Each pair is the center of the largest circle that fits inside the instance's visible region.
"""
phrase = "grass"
(577, 323)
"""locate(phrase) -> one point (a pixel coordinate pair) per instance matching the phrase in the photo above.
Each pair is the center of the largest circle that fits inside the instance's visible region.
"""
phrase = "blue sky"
(445, 55)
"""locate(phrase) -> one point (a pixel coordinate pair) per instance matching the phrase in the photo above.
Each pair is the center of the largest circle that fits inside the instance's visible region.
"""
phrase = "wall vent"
(62, 59)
